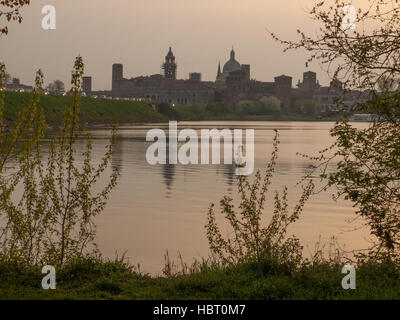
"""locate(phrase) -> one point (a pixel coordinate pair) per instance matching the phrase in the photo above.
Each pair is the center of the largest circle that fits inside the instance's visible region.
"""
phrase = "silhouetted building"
(231, 65)
(87, 85)
(170, 66)
(117, 76)
(283, 90)
(233, 84)
(246, 70)
(195, 76)
(309, 84)
(219, 73)
(16, 85)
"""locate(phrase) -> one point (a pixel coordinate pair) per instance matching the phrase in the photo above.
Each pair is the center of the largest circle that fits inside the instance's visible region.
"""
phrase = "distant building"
(283, 89)
(17, 86)
(87, 85)
(230, 66)
(233, 84)
(195, 76)
(117, 76)
(246, 70)
(332, 98)
(309, 85)
(162, 88)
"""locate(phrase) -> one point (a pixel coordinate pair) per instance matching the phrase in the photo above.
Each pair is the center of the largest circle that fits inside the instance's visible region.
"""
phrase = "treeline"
(267, 108)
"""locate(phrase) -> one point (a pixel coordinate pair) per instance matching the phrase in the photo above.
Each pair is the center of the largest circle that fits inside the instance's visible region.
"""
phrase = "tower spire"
(219, 73)
(232, 54)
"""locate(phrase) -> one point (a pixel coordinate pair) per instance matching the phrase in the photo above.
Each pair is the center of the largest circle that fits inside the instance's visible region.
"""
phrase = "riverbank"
(199, 113)
(96, 279)
(106, 112)
(93, 111)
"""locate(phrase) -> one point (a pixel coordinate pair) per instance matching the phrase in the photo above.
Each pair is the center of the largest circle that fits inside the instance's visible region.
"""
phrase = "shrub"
(218, 108)
(251, 107)
(272, 105)
(251, 241)
(166, 110)
(308, 107)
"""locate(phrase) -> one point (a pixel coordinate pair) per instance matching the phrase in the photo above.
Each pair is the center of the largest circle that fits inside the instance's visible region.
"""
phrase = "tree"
(7, 78)
(17, 140)
(57, 87)
(272, 105)
(25, 125)
(387, 84)
(365, 162)
(308, 107)
(250, 107)
(51, 220)
(218, 108)
(368, 173)
(360, 57)
(10, 10)
(166, 110)
(197, 112)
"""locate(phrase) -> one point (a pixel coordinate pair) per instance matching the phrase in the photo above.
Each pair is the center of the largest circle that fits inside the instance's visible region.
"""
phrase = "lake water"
(163, 207)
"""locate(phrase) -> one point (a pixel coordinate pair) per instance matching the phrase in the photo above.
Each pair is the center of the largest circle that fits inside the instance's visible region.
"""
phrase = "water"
(155, 208)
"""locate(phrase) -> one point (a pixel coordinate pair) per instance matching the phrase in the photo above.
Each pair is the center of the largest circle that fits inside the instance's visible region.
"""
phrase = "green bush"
(272, 105)
(307, 107)
(218, 108)
(250, 240)
(250, 108)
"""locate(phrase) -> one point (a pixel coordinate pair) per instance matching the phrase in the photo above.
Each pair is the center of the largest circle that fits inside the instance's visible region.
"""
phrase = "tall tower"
(87, 85)
(117, 75)
(170, 66)
(309, 81)
(283, 90)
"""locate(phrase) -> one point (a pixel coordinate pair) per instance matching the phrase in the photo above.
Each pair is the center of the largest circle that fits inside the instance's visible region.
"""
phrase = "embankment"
(93, 111)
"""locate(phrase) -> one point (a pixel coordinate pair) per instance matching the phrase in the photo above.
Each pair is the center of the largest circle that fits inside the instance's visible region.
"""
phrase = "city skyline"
(136, 34)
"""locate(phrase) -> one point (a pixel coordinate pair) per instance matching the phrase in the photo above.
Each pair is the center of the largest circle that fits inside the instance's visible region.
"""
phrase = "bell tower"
(170, 66)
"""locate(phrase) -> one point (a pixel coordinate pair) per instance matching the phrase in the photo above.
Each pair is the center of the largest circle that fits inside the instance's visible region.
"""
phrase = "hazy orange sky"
(138, 33)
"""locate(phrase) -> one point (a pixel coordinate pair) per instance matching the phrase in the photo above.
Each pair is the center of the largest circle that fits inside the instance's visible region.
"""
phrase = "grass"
(93, 111)
(96, 279)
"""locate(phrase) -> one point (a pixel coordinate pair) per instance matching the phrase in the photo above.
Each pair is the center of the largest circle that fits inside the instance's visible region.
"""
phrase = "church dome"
(232, 64)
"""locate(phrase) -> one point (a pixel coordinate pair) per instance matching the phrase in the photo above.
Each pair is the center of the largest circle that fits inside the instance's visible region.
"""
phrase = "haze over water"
(155, 208)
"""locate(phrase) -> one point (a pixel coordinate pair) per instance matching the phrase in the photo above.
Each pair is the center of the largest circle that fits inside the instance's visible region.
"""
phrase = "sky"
(138, 33)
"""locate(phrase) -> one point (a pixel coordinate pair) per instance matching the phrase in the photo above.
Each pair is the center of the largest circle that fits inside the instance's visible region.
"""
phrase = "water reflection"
(161, 207)
(168, 172)
(117, 157)
(229, 172)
